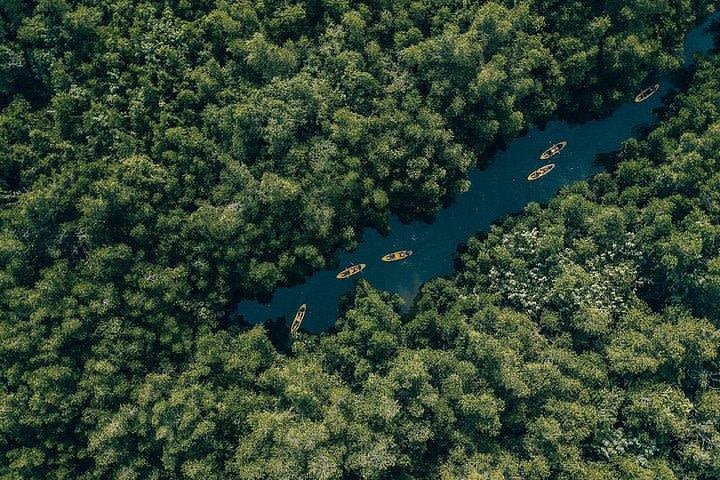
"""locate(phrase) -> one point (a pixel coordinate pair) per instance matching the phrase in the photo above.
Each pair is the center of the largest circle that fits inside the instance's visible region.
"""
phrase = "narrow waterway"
(495, 191)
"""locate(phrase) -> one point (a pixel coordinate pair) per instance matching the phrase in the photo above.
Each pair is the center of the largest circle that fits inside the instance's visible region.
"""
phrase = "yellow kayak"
(299, 316)
(349, 272)
(647, 93)
(540, 172)
(395, 256)
(552, 151)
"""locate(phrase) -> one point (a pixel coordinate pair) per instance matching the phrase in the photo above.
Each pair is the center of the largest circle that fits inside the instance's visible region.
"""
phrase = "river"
(495, 191)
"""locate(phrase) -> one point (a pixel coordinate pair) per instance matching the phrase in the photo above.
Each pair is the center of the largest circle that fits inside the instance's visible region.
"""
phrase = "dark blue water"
(499, 189)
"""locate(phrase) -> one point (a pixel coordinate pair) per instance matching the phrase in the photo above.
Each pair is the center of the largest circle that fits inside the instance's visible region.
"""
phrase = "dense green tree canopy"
(160, 160)
(577, 340)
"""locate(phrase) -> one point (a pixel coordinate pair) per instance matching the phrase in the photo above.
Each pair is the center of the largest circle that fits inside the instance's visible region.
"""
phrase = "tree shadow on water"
(608, 161)
(278, 333)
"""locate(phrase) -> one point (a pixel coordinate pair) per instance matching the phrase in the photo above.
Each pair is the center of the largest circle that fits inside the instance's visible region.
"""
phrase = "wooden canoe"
(395, 256)
(552, 151)
(299, 316)
(540, 172)
(647, 93)
(349, 272)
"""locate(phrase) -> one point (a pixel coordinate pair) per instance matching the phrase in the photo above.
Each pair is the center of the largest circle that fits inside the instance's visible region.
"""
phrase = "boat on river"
(395, 256)
(541, 172)
(455, 224)
(350, 271)
(647, 93)
(299, 316)
(552, 151)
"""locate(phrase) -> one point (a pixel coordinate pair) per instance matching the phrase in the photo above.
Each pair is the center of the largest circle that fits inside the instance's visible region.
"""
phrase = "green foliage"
(161, 160)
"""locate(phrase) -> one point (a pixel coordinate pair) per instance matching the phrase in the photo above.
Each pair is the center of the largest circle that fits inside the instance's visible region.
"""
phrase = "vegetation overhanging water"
(495, 191)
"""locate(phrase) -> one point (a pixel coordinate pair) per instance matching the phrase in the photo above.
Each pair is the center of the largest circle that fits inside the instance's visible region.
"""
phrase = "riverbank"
(495, 191)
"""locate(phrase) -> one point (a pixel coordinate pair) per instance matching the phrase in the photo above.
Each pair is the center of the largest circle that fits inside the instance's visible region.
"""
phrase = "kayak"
(542, 171)
(647, 93)
(349, 272)
(552, 151)
(298, 318)
(395, 256)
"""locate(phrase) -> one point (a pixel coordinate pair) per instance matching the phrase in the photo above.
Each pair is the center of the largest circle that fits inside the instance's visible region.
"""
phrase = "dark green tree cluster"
(159, 160)
(577, 340)
(243, 142)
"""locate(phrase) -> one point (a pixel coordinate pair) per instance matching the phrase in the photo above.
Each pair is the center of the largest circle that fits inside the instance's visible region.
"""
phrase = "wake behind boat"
(552, 151)
(647, 93)
(540, 172)
(395, 256)
(349, 272)
(299, 316)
